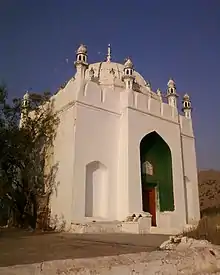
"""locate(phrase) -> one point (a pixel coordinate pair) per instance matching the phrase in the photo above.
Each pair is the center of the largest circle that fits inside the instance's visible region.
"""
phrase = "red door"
(152, 205)
(149, 203)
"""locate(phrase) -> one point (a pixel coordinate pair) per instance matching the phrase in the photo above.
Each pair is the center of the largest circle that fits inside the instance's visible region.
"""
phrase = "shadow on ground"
(20, 247)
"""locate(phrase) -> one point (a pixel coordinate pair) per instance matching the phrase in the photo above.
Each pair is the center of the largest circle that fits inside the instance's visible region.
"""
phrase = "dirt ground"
(22, 247)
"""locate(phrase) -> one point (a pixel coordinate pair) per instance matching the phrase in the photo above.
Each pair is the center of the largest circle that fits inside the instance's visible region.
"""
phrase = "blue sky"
(165, 38)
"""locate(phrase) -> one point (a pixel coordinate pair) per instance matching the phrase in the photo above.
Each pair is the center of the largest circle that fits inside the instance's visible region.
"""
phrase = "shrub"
(208, 229)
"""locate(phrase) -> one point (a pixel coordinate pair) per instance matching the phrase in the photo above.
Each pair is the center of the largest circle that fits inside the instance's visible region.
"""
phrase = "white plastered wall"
(122, 186)
(190, 171)
(191, 180)
(96, 140)
(99, 126)
(140, 124)
(61, 200)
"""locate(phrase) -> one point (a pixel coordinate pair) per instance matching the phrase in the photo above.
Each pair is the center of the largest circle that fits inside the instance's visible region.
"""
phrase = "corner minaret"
(171, 93)
(25, 104)
(128, 76)
(81, 62)
(187, 107)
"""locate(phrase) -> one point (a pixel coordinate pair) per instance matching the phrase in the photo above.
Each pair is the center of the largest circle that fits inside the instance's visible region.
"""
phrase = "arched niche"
(96, 190)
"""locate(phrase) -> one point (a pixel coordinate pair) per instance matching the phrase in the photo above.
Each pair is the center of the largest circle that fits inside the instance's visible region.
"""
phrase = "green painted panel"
(155, 150)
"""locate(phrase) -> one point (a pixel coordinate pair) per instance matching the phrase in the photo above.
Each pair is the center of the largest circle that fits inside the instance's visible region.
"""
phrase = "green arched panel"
(155, 150)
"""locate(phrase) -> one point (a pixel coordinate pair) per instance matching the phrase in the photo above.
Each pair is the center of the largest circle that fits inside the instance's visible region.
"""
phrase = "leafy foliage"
(27, 176)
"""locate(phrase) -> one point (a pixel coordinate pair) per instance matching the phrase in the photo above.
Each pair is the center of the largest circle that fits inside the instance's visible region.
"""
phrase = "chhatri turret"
(187, 107)
(171, 93)
(128, 76)
(81, 62)
(26, 101)
(25, 104)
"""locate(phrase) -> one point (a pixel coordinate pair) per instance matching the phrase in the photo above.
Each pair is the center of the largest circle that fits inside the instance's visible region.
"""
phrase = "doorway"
(149, 203)
(156, 171)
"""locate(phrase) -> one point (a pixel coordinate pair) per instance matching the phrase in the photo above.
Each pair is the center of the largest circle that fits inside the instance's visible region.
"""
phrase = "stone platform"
(137, 223)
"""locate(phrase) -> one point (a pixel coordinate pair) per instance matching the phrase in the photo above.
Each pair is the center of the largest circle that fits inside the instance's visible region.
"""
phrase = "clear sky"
(165, 38)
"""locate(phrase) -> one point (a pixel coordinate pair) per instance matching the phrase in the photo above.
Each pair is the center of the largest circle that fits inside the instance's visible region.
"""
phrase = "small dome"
(82, 49)
(128, 63)
(171, 82)
(186, 97)
(26, 96)
(105, 70)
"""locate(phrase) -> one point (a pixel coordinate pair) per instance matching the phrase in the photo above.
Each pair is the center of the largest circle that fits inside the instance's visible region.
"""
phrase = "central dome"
(103, 71)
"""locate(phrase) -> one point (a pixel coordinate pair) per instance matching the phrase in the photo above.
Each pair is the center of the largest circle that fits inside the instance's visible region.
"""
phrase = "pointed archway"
(156, 175)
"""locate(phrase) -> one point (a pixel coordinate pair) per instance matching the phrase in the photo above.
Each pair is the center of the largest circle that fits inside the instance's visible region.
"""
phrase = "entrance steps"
(117, 227)
(135, 224)
(96, 227)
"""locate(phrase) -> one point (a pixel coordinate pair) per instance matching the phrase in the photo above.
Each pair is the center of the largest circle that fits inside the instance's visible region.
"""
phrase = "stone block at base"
(141, 226)
(130, 227)
(144, 225)
(96, 227)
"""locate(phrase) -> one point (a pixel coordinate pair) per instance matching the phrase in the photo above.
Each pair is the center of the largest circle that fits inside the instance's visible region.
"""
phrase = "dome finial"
(171, 83)
(109, 53)
(82, 49)
(26, 95)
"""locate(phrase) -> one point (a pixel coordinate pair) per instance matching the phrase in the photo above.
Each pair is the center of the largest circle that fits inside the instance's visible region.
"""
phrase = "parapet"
(104, 98)
(114, 99)
(147, 103)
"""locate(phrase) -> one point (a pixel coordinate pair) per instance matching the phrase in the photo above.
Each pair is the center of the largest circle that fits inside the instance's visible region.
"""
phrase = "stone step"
(118, 227)
(96, 227)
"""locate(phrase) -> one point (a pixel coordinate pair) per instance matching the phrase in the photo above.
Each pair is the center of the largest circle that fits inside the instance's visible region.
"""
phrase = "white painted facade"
(105, 111)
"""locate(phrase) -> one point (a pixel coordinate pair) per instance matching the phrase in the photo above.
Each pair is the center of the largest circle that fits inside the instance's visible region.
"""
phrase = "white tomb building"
(122, 150)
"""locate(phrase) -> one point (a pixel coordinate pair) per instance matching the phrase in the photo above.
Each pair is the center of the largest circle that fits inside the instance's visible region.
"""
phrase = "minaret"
(171, 93)
(81, 62)
(187, 108)
(128, 76)
(24, 108)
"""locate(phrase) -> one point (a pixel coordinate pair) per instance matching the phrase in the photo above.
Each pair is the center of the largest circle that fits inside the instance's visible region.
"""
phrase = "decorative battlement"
(117, 100)
(124, 75)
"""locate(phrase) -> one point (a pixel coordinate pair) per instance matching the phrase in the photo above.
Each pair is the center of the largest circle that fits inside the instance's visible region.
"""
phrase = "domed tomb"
(104, 71)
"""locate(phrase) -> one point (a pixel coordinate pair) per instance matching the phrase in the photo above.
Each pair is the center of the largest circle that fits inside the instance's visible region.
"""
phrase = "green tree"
(27, 179)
